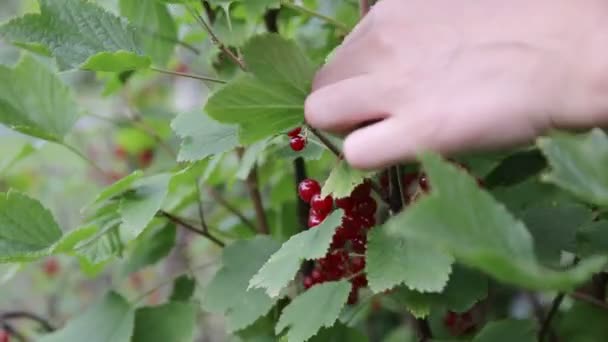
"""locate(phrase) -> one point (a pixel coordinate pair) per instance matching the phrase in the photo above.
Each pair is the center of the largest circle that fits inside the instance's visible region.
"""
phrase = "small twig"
(201, 212)
(217, 197)
(364, 6)
(225, 49)
(424, 329)
(256, 197)
(10, 315)
(183, 74)
(589, 299)
(309, 12)
(396, 201)
(330, 145)
(546, 325)
(181, 222)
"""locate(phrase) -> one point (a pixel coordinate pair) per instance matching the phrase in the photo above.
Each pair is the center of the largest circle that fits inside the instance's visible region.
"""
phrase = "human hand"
(450, 76)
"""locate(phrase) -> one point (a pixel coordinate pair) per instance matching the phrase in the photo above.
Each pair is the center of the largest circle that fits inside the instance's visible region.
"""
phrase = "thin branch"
(85, 158)
(253, 188)
(10, 315)
(181, 222)
(396, 201)
(309, 12)
(424, 329)
(219, 199)
(201, 212)
(364, 6)
(589, 299)
(546, 325)
(330, 145)
(183, 74)
(12, 331)
(225, 49)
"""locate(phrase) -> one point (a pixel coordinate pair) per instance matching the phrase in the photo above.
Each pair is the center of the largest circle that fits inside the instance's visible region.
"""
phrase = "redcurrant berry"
(308, 282)
(357, 264)
(322, 205)
(423, 182)
(359, 244)
(359, 281)
(362, 190)
(316, 276)
(314, 220)
(346, 203)
(353, 296)
(294, 132)
(145, 158)
(366, 207)
(450, 319)
(51, 267)
(308, 188)
(297, 143)
(4, 336)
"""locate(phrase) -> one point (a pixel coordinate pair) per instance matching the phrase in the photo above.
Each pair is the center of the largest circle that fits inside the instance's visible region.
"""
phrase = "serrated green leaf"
(249, 159)
(228, 294)
(508, 330)
(69, 240)
(139, 207)
(183, 289)
(283, 265)
(394, 261)
(174, 321)
(118, 187)
(75, 31)
(27, 229)
(339, 333)
(480, 232)
(156, 27)
(203, 136)
(516, 168)
(108, 320)
(592, 239)
(584, 323)
(270, 100)
(578, 164)
(298, 317)
(554, 228)
(151, 249)
(342, 180)
(35, 102)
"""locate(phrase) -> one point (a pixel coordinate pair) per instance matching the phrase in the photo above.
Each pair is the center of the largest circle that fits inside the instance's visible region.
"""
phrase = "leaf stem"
(309, 12)
(10, 315)
(225, 49)
(181, 222)
(330, 145)
(183, 74)
(546, 325)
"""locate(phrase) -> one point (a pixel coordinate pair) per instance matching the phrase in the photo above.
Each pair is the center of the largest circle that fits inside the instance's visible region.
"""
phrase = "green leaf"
(227, 294)
(183, 289)
(270, 100)
(173, 322)
(308, 245)
(151, 249)
(35, 102)
(508, 330)
(342, 180)
(480, 232)
(26, 150)
(138, 208)
(584, 323)
(339, 333)
(157, 29)
(203, 136)
(578, 164)
(119, 187)
(401, 334)
(516, 168)
(592, 239)
(302, 316)
(394, 261)
(75, 31)
(554, 228)
(249, 159)
(108, 320)
(256, 9)
(27, 229)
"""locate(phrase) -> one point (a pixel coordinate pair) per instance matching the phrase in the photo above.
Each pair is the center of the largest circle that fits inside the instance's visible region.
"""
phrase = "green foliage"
(270, 99)
(592, 318)
(174, 321)
(109, 320)
(393, 261)
(228, 292)
(507, 331)
(342, 180)
(480, 232)
(297, 315)
(577, 164)
(282, 265)
(151, 249)
(79, 33)
(183, 289)
(34, 101)
(27, 229)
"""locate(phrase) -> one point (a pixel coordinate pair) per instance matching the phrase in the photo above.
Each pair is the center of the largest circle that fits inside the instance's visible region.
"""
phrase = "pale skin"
(459, 75)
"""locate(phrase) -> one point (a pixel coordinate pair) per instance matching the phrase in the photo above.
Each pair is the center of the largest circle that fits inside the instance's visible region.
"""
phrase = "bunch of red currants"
(297, 140)
(346, 255)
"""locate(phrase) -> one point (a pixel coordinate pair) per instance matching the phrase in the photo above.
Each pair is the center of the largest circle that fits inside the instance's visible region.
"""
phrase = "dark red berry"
(314, 220)
(346, 203)
(362, 190)
(4, 336)
(51, 267)
(359, 244)
(359, 281)
(297, 143)
(357, 264)
(353, 296)
(423, 182)
(145, 158)
(450, 319)
(366, 207)
(339, 238)
(322, 205)
(316, 276)
(308, 282)
(294, 132)
(120, 153)
(307, 189)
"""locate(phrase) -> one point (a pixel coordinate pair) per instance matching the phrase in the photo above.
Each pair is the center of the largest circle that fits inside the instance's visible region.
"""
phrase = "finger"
(344, 105)
(393, 140)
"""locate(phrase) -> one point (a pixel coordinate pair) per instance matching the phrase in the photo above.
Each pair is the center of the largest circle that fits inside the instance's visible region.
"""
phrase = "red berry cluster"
(350, 237)
(297, 141)
(51, 267)
(459, 323)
